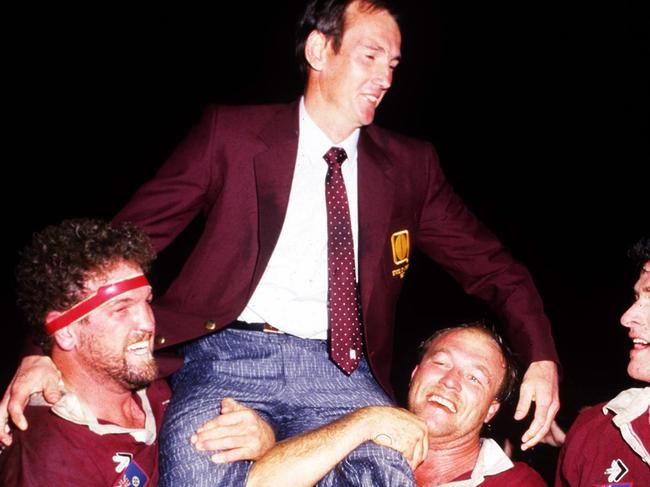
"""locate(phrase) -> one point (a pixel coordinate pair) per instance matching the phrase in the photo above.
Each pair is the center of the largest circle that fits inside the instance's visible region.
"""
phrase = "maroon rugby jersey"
(595, 453)
(54, 451)
(521, 475)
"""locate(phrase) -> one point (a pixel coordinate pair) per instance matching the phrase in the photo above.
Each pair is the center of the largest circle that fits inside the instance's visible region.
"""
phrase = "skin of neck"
(108, 399)
(324, 115)
(447, 459)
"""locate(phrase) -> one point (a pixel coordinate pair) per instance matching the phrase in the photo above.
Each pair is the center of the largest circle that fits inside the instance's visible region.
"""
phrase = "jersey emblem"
(133, 476)
(122, 460)
(617, 471)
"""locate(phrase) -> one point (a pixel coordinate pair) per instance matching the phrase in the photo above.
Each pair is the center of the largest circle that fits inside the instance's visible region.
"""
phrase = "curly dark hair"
(511, 373)
(55, 265)
(640, 251)
(328, 17)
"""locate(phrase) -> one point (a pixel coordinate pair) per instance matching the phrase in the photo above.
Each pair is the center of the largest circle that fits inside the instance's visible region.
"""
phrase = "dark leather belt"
(264, 327)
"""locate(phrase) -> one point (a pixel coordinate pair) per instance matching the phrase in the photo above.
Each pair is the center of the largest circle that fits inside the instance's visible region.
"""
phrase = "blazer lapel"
(273, 175)
(376, 193)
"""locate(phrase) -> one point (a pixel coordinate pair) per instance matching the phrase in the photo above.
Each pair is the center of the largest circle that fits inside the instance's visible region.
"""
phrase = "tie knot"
(336, 155)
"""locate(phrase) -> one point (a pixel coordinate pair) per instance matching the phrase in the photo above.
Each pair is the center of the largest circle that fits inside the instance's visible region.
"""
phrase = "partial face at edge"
(637, 319)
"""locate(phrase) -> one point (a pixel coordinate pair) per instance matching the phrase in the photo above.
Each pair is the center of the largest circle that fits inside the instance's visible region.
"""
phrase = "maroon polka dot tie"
(346, 344)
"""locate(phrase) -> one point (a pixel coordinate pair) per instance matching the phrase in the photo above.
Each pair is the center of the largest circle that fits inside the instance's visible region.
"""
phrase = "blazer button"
(210, 325)
(160, 340)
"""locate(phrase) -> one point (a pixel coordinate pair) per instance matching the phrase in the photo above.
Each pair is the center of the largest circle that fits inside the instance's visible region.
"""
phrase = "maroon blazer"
(236, 167)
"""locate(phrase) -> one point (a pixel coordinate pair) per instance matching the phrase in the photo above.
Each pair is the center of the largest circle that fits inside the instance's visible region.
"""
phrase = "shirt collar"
(73, 409)
(628, 405)
(491, 460)
(316, 143)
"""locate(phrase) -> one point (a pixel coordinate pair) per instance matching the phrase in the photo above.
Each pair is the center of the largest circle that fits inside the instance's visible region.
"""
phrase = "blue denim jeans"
(291, 383)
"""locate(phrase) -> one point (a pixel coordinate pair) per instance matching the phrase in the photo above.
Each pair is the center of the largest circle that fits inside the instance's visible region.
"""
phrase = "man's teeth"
(139, 346)
(445, 402)
(639, 341)
(372, 98)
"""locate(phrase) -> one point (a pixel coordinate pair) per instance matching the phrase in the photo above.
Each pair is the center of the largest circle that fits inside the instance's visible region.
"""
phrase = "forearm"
(303, 460)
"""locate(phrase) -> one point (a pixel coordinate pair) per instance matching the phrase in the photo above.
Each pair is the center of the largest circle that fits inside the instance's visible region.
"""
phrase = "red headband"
(101, 296)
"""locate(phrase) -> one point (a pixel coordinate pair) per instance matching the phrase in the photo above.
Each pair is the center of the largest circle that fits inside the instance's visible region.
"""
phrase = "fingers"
(227, 439)
(544, 414)
(540, 385)
(524, 403)
(229, 405)
(401, 431)
(555, 436)
(16, 406)
(419, 452)
(5, 437)
(232, 405)
(234, 455)
(232, 412)
(5, 431)
(35, 374)
(238, 433)
(51, 390)
(229, 448)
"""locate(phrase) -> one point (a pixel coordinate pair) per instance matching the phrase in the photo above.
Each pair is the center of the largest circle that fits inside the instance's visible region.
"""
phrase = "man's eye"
(473, 378)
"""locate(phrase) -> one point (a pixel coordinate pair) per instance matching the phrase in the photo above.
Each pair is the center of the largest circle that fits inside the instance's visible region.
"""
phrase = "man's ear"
(492, 410)
(315, 50)
(64, 337)
(414, 371)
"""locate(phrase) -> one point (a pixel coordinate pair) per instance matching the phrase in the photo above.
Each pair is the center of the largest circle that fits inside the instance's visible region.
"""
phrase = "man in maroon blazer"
(257, 175)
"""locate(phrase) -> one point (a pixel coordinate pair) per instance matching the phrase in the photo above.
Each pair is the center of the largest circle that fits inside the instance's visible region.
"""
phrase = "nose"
(630, 318)
(144, 318)
(384, 76)
(451, 379)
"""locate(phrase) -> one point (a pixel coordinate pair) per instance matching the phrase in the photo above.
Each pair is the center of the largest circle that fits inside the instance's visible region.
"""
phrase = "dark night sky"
(539, 113)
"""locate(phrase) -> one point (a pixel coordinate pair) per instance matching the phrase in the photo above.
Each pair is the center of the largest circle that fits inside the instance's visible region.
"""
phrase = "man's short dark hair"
(511, 373)
(60, 259)
(328, 17)
(640, 251)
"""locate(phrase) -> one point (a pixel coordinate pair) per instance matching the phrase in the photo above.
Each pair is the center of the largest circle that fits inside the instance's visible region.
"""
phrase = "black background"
(539, 112)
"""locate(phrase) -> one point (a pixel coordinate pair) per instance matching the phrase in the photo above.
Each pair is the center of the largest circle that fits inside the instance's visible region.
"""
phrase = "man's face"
(116, 339)
(354, 80)
(637, 319)
(454, 387)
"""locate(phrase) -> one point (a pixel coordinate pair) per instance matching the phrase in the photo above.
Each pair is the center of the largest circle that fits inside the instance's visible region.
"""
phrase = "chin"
(642, 374)
(140, 375)
(368, 119)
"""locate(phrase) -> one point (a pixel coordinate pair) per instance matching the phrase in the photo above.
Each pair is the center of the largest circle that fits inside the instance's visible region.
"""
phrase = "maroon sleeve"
(452, 236)
(165, 205)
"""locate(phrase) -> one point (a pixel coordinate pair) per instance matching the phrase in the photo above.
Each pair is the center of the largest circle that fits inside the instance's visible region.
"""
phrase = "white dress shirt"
(292, 293)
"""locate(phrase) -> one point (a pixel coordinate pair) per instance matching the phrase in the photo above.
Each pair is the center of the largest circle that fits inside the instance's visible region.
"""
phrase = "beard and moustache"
(131, 374)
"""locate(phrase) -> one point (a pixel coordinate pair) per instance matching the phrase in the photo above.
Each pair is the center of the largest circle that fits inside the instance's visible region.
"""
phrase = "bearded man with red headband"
(82, 287)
